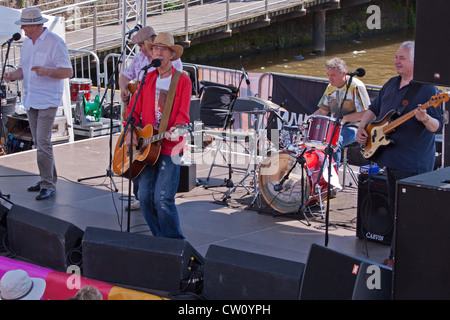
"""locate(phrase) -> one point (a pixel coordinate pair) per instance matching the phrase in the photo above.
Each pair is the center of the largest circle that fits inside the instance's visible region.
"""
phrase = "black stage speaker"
(232, 274)
(431, 51)
(374, 220)
(139, 260)
(334, 275)
(188, 177)
(422, 249)
(43, 239)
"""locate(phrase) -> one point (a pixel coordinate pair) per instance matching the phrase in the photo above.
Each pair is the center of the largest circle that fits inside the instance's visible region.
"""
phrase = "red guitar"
(146, 152)
(378, 130)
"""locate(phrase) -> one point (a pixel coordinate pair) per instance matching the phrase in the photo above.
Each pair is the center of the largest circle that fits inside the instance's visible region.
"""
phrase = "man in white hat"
(158, 183)
(133, 74)
(44, 64)
(17, 285)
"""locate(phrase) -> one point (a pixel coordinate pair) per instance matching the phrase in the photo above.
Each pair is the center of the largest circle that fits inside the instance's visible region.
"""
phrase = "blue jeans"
(158, 185)
(347, 136)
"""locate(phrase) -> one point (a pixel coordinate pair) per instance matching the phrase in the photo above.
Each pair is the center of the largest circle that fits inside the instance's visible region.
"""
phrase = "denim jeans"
(158, 185)
(347, 136)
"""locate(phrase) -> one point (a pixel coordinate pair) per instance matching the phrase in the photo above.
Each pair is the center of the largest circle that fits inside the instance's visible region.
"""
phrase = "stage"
(204, 220)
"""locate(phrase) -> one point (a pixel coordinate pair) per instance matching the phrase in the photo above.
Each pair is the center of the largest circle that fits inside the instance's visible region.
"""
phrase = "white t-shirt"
(162, 89)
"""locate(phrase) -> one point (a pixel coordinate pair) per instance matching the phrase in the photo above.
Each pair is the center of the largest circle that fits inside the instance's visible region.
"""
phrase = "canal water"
(373, 53)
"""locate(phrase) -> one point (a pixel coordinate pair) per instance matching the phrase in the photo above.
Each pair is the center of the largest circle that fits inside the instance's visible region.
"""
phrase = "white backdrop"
(8, 17)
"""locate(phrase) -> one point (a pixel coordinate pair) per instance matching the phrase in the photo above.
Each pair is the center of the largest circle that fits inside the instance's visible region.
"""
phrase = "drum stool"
(346, 166)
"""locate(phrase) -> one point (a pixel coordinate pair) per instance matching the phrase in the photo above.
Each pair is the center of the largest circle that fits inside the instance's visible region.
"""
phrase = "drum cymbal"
(269, 103)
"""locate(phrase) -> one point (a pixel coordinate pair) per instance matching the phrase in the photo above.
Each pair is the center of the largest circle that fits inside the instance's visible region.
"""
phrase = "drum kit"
(295, 178)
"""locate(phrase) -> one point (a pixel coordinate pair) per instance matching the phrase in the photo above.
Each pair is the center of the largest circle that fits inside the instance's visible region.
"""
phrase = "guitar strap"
(414, 88)
(169, 103)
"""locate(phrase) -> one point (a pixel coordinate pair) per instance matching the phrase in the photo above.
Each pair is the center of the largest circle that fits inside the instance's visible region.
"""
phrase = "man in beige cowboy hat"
(158, 183)
(142, 59)
(134, 73)
(44, 64)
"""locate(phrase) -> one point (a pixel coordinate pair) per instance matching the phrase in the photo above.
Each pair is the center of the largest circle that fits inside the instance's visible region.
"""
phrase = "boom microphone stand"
(110, 86)
(329, 156)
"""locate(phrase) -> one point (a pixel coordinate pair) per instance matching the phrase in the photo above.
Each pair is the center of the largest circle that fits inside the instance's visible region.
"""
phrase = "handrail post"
(94, 29)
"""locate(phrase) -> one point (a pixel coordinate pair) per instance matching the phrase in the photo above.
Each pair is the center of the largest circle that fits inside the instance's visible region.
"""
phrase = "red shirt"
(145, 108)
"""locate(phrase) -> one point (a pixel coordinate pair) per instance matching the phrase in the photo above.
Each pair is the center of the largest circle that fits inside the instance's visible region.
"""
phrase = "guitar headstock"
(436, 100)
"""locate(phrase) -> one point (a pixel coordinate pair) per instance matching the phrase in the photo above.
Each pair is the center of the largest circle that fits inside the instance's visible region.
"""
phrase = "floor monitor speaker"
(140, 260)
(232, 274)
(374, 219)
(43, 239)
(422, 249)
(334, 275)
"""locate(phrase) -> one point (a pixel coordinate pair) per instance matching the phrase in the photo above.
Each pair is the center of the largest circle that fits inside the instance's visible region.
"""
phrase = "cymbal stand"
(256, 139)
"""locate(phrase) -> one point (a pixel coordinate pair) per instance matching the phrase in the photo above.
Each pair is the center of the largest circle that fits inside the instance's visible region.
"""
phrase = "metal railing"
(94, 14)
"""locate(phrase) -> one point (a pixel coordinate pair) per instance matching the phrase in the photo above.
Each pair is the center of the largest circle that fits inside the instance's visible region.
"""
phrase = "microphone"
(155, 64)
(247, 80)
(15, 37)
(137, 28)
(280, 117)
(279, 186)
(360, 72)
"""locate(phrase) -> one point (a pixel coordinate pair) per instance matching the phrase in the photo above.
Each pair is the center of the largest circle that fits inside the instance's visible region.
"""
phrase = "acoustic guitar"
(146, 152)
(378, 131)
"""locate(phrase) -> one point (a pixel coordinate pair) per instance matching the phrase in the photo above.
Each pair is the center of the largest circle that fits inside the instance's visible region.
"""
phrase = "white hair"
(409, 45)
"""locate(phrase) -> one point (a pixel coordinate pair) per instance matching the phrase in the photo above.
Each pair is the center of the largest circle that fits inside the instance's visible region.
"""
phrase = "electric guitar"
(146, 152)
(378, 130)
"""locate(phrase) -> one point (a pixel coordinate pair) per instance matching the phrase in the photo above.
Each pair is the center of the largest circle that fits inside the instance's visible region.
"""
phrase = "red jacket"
(145, 108)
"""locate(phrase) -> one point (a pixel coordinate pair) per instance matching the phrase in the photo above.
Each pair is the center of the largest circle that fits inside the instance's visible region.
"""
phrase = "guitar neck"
(154, 138)
(394, 124)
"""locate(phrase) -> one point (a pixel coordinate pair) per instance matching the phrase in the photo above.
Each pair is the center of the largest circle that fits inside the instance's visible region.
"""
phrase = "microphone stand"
(110, 86)
(329, 156)
(130, 125)
(3, 95)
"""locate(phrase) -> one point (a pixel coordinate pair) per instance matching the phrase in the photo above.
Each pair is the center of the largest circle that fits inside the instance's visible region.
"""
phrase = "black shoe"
(36, 187)
(45, 194)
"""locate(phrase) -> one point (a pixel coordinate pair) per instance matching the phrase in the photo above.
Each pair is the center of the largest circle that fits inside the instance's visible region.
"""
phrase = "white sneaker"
(135, 205)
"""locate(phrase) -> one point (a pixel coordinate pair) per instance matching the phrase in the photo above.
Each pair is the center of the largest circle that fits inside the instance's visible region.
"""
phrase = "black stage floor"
(205, 219)
(204, 222)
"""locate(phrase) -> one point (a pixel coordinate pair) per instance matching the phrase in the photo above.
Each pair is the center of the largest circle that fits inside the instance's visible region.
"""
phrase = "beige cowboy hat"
(165, 39)
(143, 34)
(18, 285)
(31, 16)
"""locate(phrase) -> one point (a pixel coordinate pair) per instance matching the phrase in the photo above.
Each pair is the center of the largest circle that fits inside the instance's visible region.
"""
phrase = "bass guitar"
(378, 131)
(146, 152)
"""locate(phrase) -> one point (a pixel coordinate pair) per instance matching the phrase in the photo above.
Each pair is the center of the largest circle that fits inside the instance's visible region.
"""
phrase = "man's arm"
(59, 73)
(13, 75)
(361, 134)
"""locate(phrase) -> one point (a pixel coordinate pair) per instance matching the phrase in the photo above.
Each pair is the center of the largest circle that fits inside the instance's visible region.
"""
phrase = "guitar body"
(378, 130)
(143, 154)
(377, 138)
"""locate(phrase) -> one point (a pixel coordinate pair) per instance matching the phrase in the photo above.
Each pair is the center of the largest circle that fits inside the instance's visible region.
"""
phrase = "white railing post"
(186, 19)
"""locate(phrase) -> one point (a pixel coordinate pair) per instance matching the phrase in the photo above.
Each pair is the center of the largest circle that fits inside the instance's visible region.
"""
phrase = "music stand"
(225, 122)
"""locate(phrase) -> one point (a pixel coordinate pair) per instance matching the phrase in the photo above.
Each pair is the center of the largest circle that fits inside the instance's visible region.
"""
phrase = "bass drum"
(288, 199)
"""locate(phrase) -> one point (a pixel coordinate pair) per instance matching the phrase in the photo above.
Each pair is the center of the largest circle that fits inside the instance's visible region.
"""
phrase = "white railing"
(94, 14)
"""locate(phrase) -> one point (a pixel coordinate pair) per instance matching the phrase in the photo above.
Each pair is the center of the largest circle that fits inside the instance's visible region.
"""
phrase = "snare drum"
(293, 193)
(320, 130)
(78, 85)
